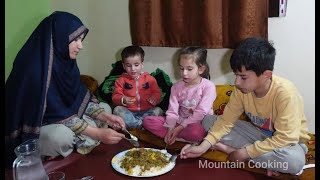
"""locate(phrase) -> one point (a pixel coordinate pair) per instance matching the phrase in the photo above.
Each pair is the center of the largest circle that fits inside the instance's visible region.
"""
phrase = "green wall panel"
(21, 18)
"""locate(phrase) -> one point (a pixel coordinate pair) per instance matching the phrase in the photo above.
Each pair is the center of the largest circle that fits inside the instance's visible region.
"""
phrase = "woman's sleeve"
(93, 109)
(76, 124)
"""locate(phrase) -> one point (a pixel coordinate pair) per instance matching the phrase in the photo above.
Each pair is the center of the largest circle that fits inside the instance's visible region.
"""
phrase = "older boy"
(277, 132)
(136, 93)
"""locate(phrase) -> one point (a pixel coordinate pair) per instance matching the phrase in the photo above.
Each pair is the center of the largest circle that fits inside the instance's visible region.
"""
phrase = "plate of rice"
(142, 162)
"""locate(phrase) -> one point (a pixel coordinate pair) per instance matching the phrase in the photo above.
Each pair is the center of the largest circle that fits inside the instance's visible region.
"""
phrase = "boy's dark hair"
(200, 57)
(132, 51)
(256, 54)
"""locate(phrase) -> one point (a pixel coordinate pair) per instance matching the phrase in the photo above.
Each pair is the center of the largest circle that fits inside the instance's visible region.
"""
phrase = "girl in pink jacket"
(191, 99)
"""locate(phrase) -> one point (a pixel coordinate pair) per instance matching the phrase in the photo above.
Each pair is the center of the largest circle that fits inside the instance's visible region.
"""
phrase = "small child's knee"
(151, 119)
(148, 121)
(117, 109)
(158, 111)
(200, 130)
(197, 134)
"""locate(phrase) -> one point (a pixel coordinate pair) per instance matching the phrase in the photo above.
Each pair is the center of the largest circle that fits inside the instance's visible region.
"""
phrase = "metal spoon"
(165, 148)
(133, 139)
(173, 158)
(133, 142)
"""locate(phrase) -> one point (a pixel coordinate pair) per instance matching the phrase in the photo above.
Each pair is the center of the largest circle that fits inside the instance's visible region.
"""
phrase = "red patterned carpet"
(98, 164)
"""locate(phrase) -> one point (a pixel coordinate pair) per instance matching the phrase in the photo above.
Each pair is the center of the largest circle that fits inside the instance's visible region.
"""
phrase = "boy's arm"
(286, 125)
(204, 106)
(172, 114)
(118, 92)
(156, 92)
(225, 122)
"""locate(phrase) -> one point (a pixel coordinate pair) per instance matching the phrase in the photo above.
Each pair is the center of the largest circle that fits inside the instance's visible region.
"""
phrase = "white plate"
(115, 162)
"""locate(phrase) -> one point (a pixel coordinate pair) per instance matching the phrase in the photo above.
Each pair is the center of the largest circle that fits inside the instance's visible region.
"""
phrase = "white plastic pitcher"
(28, 164)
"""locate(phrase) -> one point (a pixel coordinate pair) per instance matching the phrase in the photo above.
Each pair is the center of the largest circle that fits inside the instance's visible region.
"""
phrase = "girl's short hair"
(199, 54)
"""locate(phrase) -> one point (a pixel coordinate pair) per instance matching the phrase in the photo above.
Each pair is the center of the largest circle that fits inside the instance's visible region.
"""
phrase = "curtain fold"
(206, 23)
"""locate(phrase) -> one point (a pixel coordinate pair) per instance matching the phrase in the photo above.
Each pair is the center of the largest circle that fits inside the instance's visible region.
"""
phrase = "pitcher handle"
(16, 163)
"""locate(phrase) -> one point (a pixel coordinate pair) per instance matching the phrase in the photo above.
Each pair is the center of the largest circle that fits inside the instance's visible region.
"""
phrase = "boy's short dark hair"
(256, 54)
(132, 51)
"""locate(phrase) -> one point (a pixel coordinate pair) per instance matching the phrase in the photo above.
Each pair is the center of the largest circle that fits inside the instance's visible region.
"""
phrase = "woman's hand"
(191, 151)
(114, 121)
(105, 135)
(109, 136)
(172, 134)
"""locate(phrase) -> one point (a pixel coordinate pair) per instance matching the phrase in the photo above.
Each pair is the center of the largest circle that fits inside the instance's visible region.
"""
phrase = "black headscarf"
(44, 85)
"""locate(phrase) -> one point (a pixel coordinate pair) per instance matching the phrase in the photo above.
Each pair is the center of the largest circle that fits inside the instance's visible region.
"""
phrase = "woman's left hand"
(114, 121)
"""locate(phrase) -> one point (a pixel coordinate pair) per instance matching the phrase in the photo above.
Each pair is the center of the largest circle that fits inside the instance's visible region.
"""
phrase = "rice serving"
(145, 162)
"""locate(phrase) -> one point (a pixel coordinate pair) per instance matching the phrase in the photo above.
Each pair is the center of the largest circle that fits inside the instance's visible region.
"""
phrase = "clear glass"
(28, 164)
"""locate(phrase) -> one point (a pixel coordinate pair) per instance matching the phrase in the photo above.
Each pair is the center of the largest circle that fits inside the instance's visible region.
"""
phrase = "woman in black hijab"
(45, 98)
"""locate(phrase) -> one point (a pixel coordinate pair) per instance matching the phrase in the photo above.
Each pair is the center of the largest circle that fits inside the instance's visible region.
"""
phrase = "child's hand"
(152, 101)
(129, 100)
(168, 138)
(172, 134)
(191, 151)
